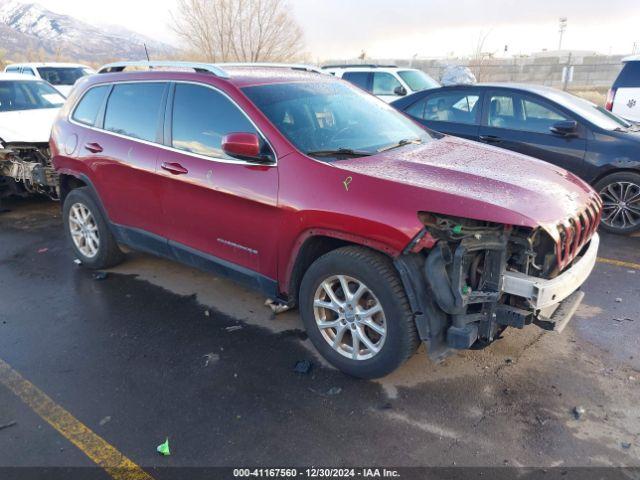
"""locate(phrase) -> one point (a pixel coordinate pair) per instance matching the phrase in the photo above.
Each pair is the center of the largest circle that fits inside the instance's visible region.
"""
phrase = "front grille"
(576, 232)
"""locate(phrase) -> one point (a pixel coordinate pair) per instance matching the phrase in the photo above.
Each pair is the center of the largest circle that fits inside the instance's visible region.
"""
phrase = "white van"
(624, 96)
(387, 82)
(61, 75)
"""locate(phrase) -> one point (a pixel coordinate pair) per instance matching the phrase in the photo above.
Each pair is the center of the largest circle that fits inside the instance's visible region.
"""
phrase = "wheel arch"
(314, 243)
(614, 171)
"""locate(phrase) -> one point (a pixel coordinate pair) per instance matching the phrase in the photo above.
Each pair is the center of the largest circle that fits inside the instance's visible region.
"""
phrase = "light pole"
(563, 27)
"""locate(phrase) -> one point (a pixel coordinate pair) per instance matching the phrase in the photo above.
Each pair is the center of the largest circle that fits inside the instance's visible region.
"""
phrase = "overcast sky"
(403, 28)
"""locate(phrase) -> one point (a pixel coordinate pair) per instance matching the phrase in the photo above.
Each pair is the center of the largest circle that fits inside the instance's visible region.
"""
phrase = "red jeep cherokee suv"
(318, 194)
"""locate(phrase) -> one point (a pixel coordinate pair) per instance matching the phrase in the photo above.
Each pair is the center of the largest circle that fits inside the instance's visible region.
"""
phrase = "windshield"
(418, 80)
(28, 95)
(62, 75)
(589, 111)
(333, 116)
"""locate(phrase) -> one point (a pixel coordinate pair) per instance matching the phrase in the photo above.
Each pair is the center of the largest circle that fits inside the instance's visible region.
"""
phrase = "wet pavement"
(147, 353)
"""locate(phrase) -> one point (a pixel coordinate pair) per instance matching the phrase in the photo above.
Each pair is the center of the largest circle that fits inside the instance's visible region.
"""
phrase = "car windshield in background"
(28, 95)
(418, 80)
(589, 111)
(333, 119)
(62, 75)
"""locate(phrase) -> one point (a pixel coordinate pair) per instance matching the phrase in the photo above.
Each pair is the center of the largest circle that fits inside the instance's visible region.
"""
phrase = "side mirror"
(245, 146)
(400, 91)
(564, 128)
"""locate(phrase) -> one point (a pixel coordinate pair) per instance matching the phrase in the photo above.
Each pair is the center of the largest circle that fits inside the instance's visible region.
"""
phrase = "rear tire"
(88, 231)
(374, 332)
(620, 193)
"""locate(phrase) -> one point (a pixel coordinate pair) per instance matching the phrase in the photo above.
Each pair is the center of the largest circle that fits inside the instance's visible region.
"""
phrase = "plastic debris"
(100, 275)
(625, 445)
(578, 412)
(43, 250)
(210, 358)
(233, 328)
(163, 448)
(457, 229)
(104, 421)
(457, 75)
(303, 367)
(618, 300)
(275, 306)
(77, 261)
(334, 391)
(7, 425)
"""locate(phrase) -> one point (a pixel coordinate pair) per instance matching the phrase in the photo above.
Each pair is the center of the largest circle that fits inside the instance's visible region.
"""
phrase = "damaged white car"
(28, 107)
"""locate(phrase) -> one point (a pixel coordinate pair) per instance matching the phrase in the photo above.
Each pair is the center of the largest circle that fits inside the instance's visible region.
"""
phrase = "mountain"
(28, 29)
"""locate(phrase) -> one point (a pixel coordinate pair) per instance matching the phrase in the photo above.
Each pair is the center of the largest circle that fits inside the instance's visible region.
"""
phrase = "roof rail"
(292, 66)
(198, 67)
(359, 65)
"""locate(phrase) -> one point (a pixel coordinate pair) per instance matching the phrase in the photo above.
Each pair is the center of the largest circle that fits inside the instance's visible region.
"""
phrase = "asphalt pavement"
(157, 350)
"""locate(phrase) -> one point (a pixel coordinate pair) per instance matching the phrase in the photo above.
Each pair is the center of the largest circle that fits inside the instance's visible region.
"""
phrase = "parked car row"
(317, 194)
(601, 148)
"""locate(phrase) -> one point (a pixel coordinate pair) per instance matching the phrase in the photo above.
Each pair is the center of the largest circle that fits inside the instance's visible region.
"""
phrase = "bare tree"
(479, 57)
(239, 30)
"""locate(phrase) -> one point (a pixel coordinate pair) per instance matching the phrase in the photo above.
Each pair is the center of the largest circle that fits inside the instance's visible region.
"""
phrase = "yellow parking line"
(619, 263)
(93, 446)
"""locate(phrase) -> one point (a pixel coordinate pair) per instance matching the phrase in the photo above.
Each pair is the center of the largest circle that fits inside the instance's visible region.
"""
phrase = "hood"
(466, 179)
(31, 126)
(65, 90)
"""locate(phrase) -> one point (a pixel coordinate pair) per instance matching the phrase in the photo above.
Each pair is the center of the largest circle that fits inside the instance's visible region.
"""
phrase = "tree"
(239, 30)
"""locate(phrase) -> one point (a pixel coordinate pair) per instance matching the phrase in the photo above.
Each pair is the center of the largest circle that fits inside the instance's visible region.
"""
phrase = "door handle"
(93, 147)
(174, 168)
(490, 138)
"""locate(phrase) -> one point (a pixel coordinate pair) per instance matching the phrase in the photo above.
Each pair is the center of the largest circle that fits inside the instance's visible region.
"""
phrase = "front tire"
(620, 194)
(88, 231)
(356, 312)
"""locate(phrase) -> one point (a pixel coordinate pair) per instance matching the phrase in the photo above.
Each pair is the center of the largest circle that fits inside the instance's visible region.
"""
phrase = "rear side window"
(133, 109)
(87, 110)
(454, 107)
(201, 117)
(359, 79)
(12, 69)
(629, 76)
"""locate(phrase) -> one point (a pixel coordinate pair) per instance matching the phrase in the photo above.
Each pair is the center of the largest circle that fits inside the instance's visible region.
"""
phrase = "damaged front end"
(25, 169)
(468, 280)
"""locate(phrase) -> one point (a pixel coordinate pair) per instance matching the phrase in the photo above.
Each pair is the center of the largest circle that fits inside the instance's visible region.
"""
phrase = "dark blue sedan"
(548, 124)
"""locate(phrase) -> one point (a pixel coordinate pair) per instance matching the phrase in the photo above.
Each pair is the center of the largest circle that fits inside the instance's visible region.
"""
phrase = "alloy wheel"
(350, 317)
(84, 230)
(621, 205)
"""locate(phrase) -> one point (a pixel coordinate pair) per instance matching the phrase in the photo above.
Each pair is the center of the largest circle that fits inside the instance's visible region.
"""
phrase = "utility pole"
(563, 27)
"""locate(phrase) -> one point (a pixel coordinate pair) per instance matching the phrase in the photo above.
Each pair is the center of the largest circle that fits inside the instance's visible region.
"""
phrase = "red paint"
(241, 145)
(259, 216)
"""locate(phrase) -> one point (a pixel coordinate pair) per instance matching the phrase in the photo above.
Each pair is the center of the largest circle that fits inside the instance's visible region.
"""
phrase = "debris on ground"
(163, 448)
(43, 250)
(508, 361)
(625, 445)
(303, 367)
(620, 320)
(334, 391)
(233, 328)
(77, 261)
(618, 300)
(276, 307)
(7, 425)
(541, 420)
(210, 358)
(104, 421)
(100, 275)
(578, 412)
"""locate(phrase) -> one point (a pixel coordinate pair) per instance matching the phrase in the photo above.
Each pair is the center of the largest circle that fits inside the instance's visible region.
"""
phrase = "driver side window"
(384, 84)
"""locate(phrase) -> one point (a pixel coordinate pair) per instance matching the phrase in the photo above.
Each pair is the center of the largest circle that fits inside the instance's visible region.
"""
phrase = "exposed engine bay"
(25, 169)
(457, 287)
